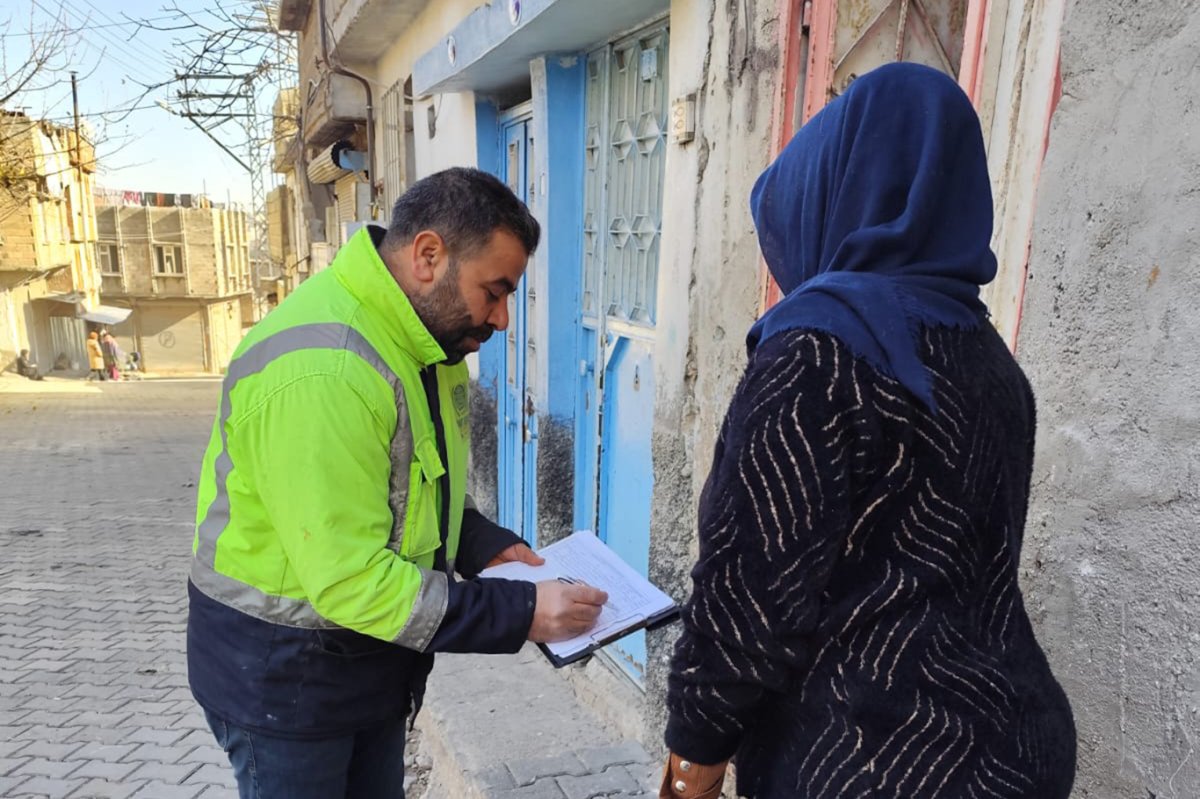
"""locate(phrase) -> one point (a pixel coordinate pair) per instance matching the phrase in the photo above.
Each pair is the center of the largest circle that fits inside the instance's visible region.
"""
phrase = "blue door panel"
(587, 426)
(627, 481)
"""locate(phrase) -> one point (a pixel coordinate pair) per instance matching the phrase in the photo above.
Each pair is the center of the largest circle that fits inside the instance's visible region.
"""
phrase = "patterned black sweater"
(856, 628)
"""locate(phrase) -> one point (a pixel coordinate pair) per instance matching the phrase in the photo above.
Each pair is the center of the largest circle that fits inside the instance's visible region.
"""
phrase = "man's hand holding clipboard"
(591, 593)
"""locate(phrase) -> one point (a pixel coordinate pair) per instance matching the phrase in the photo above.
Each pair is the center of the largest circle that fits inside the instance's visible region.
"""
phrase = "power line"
(101, 113)
(102, 52)
(103, 36)
(99, 11)
(129, 24)
(131, 71)
(59, 102)
(107, 36)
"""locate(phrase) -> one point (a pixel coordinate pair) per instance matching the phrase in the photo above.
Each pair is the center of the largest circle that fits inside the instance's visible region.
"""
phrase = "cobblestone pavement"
(612, 772)
(96, 507)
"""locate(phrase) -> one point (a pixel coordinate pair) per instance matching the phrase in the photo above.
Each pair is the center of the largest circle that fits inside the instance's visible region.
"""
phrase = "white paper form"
(583, 557)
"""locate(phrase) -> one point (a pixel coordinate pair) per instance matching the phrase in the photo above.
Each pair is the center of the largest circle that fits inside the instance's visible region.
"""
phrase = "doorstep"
(509, 727)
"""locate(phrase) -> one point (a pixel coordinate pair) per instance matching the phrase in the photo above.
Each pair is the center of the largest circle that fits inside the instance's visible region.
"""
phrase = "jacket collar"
(360, 269)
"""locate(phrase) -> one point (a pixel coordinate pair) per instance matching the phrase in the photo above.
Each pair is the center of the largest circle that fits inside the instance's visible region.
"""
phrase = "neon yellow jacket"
(325, 496)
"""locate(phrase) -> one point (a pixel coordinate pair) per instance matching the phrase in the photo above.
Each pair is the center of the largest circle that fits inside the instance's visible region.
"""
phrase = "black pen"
(573, 581)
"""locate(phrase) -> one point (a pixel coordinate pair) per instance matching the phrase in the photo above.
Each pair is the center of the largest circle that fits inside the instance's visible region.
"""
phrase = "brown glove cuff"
(683, 779)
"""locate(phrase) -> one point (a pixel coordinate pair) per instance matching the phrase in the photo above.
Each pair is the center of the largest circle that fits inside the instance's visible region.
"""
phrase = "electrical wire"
(107, 36)
(45, 31)
(135, 71)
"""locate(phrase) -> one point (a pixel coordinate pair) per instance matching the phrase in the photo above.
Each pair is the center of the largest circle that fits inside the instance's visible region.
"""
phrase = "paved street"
(96, 507)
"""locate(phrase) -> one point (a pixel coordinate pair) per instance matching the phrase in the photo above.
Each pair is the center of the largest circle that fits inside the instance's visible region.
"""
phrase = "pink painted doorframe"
(794, 17)
(970, 73)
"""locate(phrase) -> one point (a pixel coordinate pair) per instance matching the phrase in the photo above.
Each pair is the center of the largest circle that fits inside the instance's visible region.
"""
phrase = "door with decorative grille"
(624, 167)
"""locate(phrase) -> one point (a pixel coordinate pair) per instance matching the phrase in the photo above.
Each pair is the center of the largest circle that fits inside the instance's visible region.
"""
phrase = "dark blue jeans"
(368, 764)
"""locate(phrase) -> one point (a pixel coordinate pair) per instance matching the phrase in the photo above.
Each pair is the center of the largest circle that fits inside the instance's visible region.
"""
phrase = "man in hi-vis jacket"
(333, 512)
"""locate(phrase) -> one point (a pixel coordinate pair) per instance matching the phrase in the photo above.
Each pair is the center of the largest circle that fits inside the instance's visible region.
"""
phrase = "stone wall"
(1109, 339)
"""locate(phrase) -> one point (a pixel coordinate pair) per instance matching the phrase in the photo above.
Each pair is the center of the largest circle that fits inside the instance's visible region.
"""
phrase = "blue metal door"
(625, 155)
(517, 422)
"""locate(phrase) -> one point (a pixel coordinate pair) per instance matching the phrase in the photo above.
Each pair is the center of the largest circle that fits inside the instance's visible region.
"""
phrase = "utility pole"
(238, 54)
(78, 139)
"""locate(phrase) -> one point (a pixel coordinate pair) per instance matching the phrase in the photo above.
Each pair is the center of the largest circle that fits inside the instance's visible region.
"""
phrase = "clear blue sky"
(150, 149)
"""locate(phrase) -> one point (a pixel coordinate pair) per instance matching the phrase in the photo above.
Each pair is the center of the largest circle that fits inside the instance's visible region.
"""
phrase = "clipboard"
(634, 602)
(661, 619)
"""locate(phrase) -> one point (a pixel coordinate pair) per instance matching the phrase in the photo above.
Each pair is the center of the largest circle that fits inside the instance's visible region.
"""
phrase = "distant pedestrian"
(26, 367)
(856, 627)
(113, 355)
(133, 366)
(95, 358)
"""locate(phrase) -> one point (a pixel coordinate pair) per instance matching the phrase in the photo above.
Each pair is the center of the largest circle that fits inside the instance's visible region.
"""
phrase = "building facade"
(184, 273)
(635, 131)
(48, 271)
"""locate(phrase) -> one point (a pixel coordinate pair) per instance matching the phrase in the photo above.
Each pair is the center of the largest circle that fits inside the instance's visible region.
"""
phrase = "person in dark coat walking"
(113, 354)
(856, 627)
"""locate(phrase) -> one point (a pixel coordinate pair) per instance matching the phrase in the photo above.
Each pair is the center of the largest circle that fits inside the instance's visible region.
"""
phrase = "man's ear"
(428, 250)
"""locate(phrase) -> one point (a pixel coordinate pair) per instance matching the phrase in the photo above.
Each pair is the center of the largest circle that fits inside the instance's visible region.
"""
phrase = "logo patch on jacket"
(462, 410)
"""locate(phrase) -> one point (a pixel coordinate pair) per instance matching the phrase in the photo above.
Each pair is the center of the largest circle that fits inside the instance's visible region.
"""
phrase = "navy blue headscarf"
(876, 219)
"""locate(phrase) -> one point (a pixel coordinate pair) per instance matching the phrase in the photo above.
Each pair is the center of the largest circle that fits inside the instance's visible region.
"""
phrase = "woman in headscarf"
(856, 628)
(96, 366)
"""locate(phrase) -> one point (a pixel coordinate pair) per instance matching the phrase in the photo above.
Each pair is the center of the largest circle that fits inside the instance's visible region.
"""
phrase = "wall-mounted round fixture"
(451, 50)
(514, 11)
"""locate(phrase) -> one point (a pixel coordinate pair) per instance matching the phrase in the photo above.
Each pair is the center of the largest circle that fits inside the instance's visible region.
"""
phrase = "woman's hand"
(683, 779)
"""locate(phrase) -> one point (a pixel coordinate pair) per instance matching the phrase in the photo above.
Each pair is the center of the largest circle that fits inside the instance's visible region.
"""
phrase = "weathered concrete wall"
(555, 480)
(232, 252)
(1109, 339)
(481, 479)
(17, 324)
(708, 278)
(197, 231)
(200, 258)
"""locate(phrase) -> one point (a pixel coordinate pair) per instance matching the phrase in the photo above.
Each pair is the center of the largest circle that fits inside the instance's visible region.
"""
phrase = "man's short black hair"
(465, 207)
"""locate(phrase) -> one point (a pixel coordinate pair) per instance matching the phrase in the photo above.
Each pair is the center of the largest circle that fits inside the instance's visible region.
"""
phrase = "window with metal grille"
(397, 144)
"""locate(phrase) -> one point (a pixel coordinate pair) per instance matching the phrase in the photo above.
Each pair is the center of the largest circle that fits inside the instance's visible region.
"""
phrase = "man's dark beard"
(445, 315)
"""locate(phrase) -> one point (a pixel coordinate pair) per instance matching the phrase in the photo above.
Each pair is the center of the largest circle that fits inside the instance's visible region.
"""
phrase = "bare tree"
(38, 57)
(33, 64)
(40, 66)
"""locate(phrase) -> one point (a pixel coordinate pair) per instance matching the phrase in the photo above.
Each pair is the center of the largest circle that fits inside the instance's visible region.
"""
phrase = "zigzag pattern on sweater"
(858, 567)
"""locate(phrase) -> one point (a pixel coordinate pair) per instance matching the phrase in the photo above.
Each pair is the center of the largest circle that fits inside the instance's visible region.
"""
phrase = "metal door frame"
(518, 513)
